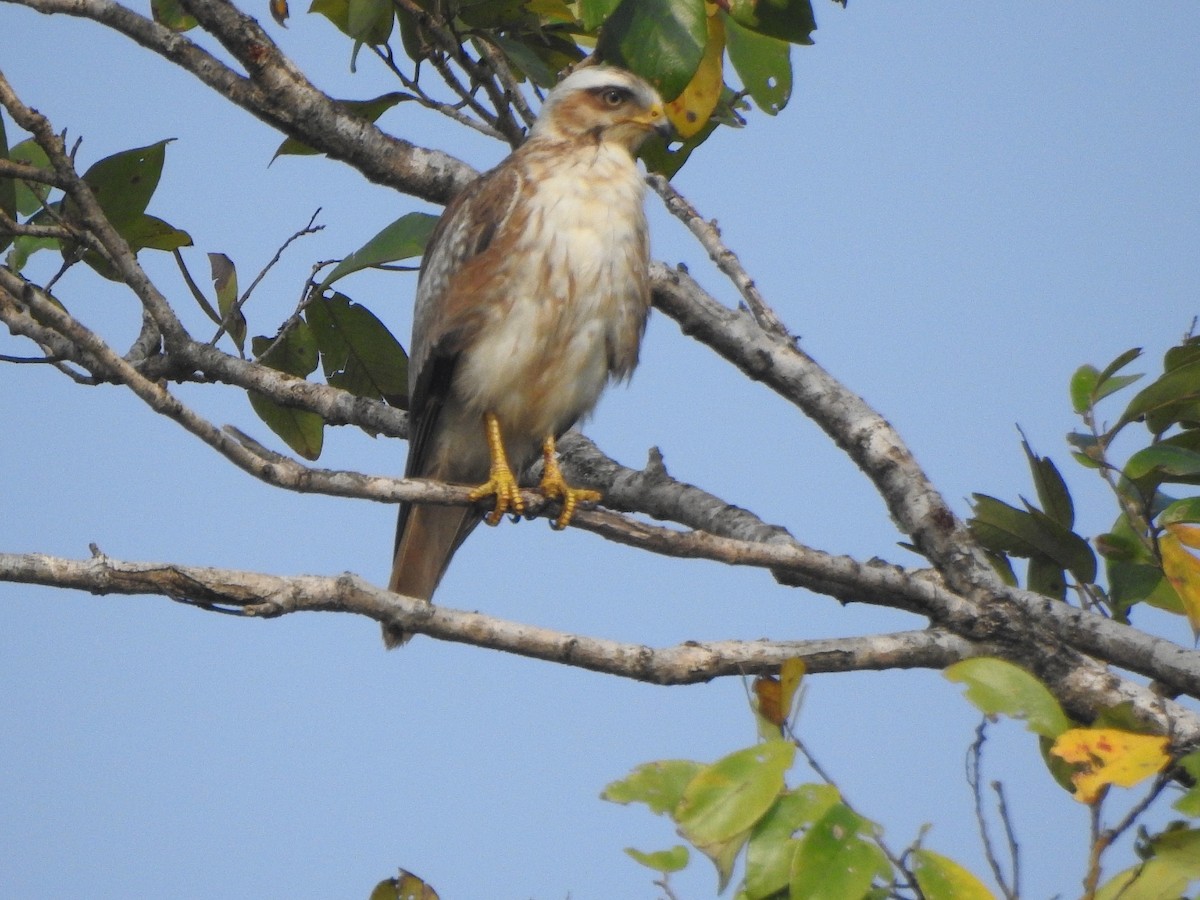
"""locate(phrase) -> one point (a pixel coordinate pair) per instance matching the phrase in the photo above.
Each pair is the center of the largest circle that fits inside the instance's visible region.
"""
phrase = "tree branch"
(278, 93)
(267, 596)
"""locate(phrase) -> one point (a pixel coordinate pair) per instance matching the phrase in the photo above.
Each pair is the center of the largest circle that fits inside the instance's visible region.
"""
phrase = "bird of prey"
(533, 294)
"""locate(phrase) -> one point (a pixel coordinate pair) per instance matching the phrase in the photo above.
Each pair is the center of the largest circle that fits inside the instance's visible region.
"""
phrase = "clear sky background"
(962, 203)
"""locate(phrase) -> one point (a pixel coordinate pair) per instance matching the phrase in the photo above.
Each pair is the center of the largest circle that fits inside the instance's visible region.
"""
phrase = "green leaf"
(771, 845)
(1166, 461)
(837, 859)
(367, 110)
(1083, 387)
(296, 354)
(31, 196)
(8, 189)
(1046, 577)
(1130, 583)
(370, 21)
(1107, 384)
(1169, 399)
(672, 860)
(659, 158)
(1112, 385)
(997, 687)
(1189, 803)
(1122, 360)
(1181, 355)
(540, 56)
(764, 64)
(789, 20)
(1170, 871)
(1003, 528)
(1064, 546)
(943, 879)
(1030, 533)
(124, 183)
(171, 14)
(659, 785)
(594, 12)
(143, 233)
(1051, 489)
(403, 239)
(728, 797)
(336, 11)
(660, 40)
(1186, 510)
(1120, 547)
(358, 353)
(224, 278)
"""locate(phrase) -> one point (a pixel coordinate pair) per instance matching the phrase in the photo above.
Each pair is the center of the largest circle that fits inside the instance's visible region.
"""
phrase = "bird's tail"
(426, 538)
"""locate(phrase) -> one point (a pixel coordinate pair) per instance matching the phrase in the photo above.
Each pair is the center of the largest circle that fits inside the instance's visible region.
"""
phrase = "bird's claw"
(555, 487)
(503, 485)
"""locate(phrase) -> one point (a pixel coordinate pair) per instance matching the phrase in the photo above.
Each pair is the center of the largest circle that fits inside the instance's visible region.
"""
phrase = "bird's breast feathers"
(575, 291)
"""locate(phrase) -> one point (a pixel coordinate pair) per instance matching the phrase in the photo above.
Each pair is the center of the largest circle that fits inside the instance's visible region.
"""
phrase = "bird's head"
(604, 104)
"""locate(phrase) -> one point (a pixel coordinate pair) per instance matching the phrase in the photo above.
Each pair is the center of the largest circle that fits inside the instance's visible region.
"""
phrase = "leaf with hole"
(124, 183)
(764, 64)
(838, 858)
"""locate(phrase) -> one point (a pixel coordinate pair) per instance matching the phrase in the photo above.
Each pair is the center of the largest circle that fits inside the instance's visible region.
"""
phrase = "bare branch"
(268, 596)
(709, 236)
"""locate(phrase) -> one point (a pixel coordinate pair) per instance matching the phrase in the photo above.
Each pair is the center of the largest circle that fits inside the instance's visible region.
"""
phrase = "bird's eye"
(614, 96)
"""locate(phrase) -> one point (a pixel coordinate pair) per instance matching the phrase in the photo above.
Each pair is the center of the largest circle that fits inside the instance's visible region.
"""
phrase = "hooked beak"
(655, 118)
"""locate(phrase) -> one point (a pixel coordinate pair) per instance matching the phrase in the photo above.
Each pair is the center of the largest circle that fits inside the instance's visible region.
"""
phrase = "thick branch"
(270, 595)
(278, 93)
(916, 506)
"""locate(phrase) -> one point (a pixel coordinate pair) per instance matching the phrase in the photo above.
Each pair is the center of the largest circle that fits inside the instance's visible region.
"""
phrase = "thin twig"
(1014, 850)
(236, 308)
(974, 779)
(725, 259)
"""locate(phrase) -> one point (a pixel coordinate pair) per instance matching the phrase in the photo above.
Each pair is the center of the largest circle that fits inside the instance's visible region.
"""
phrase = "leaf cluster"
(1145, 553)
(686, 48)
(123, 185)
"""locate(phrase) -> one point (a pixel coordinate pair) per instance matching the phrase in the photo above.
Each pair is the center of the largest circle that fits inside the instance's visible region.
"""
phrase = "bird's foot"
(501, 481)
(554, 487)
(503, 485)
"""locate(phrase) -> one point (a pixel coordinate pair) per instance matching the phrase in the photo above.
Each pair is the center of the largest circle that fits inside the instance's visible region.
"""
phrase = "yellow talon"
(501, 481)
(555, 487)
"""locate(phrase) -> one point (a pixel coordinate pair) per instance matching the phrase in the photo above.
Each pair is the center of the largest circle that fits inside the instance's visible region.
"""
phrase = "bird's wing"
(454, 282)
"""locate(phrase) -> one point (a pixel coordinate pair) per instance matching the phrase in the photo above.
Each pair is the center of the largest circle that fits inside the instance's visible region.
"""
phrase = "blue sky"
(961, 205)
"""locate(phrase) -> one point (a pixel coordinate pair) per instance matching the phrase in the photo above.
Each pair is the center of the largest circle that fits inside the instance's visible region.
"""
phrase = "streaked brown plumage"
(533, 294)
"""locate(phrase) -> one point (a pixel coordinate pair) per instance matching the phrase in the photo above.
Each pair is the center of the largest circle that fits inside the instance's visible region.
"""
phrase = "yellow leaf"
(1188, 534)
(1107, 756)
(790, 674)
(689, 111)
(770, 699)
(551, 10)
(1182, 569)
(943, 879)
(776, 696)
